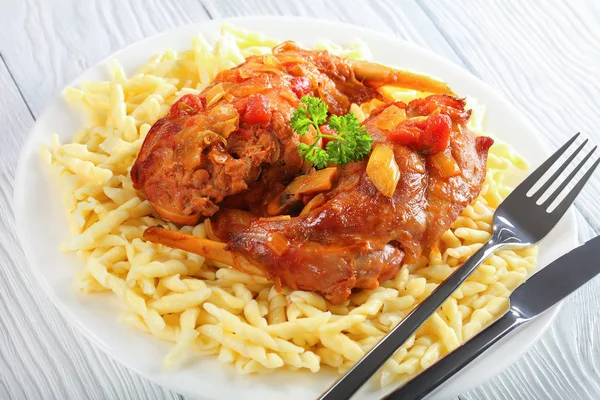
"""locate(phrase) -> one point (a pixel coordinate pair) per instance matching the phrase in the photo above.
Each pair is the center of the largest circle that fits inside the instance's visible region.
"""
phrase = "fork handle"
(367, 366)
(427, 381)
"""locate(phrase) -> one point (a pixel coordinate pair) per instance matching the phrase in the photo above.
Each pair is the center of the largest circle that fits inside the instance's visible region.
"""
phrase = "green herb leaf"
(316, 109)
(300, 121)
(313, 154)
(352, 142)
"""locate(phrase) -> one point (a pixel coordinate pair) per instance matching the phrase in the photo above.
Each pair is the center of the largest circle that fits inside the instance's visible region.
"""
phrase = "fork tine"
(568, 180)
(535, 176)
(539, 193)
(567, 201)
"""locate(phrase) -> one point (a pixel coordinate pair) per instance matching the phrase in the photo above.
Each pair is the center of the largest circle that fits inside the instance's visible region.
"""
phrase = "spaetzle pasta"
(241, 319)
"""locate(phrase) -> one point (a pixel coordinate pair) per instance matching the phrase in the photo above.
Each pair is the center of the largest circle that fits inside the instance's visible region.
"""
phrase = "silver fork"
(518, 222)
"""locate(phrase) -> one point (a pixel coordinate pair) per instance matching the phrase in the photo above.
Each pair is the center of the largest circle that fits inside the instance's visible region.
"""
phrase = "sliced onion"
(228, 85)
(244, 73)
(358, 112)
(383, 170)
(225, 128)
(270, 59)
(214, 94)
(284, 202)
(419, 118)
(270, 68)
(291, 58)
(290, 199)
(315, 202)
(445, 164)
(249, 87)
(277, 243)
(316, 182)
(290, 97)
(389, 118)
(209, 137)
(369, 106)
(210, 233)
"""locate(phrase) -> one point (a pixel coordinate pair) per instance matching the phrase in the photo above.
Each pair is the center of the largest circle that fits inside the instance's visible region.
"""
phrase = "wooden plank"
(545, 59)
(51, 43)
(403, 19)
(16, 119)
(563, 364)
(391, 18)
(45, 54)
(40, 354)
(41, 41)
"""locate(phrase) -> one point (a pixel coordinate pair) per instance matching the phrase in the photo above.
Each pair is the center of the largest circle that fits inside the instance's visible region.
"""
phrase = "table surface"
(542, 55)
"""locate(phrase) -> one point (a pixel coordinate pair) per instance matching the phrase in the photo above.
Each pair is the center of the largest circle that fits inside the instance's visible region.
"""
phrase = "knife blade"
(564, 275)
(540, 292)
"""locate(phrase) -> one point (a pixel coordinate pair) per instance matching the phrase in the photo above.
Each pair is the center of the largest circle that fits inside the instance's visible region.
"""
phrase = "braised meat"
(356, 234)
(235, 137)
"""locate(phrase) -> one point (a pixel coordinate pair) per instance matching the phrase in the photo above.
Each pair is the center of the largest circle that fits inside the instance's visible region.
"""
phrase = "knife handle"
(428, 380)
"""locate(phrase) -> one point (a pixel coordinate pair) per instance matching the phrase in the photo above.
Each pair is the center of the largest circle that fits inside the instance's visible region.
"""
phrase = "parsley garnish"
(352, 142)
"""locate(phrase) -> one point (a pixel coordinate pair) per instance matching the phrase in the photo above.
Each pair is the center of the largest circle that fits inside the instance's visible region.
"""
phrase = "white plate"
(42, 226)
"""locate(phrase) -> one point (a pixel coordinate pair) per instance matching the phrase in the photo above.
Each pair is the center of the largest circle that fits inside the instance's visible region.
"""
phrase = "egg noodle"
(213, 309)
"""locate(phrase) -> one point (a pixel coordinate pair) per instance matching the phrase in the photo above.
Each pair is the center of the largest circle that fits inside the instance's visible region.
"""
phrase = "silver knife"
(540, 292)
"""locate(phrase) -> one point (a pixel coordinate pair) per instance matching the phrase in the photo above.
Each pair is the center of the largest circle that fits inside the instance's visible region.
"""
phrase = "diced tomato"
(187, 105)
(436, 135)
(405, 134)
(326, 130)
(430, 135)
(257, 110)
(229, 75)
(429, 104)
(445, 104)
(378, 110)
(240, 104)
(408, 132)
(300, 85)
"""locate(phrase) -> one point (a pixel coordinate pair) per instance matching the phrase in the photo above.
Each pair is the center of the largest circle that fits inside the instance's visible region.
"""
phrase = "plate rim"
(82, 328)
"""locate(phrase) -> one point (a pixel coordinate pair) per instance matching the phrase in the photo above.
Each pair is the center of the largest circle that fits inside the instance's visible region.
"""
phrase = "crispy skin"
(199, 154)
(360, 237)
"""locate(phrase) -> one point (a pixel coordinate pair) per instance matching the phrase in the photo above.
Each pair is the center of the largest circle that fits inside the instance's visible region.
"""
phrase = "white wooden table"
(543, 55)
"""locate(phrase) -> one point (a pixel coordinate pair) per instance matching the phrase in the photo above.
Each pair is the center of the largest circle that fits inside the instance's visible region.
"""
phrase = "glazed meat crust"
(359, 237)
(235, 135)
(218, 143)
(230, 154)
